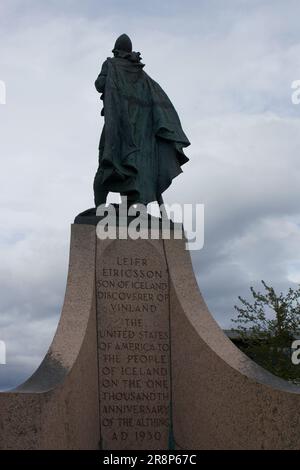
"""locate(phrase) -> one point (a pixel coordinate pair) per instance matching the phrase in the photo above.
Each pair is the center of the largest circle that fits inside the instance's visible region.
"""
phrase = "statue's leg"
(100, 197)
(159, 199)
(131, 199)
(161, 204)
(100, 194)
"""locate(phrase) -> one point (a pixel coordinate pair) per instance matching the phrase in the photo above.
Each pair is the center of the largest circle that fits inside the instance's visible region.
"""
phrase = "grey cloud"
(228, 70)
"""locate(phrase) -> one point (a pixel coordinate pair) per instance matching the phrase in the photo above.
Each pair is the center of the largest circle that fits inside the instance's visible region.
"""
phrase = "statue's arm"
(100, 82)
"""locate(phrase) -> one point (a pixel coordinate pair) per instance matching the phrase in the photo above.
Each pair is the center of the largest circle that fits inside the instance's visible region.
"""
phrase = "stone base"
(132, 289)
(136, 354)
(58, 407)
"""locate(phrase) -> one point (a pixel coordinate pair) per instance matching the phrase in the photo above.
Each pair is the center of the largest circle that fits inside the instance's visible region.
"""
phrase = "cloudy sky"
(228, 68)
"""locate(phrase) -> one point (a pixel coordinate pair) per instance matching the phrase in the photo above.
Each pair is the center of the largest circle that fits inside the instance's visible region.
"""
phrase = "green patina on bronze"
(142, 141)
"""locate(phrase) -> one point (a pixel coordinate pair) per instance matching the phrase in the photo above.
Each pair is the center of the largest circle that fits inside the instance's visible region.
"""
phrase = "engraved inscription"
(133, 342)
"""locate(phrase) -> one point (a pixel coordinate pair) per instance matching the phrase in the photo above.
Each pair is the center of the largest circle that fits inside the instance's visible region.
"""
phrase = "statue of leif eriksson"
(142, 141)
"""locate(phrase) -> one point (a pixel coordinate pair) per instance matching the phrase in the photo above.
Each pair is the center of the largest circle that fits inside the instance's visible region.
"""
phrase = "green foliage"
(267, 327)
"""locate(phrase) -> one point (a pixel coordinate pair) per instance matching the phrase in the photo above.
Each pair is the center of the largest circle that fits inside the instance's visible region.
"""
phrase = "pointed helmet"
(123, 43)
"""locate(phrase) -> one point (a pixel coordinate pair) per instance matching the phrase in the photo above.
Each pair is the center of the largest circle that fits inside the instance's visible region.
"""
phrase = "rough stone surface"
(220, 398)
(133, 340)
(57, 408)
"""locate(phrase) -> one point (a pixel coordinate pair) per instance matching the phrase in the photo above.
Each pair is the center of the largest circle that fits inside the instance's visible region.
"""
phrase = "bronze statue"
(141, 145)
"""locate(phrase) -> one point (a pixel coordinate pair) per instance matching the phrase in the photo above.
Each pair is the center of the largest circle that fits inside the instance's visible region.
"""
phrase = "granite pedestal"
(138, 362)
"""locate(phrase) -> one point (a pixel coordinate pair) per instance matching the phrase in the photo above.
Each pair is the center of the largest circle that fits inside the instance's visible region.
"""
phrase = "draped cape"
(141, 146)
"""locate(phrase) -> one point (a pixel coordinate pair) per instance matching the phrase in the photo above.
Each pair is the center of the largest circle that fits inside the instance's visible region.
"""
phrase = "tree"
(266, 328)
